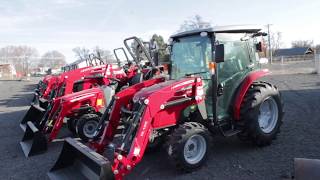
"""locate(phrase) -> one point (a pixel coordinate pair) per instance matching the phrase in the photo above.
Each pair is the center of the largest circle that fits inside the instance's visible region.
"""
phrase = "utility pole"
(269, 42)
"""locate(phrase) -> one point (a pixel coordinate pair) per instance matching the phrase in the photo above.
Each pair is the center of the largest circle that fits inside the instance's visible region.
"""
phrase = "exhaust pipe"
(306, 169)
(34, 114)
(33, 141)
(77, 161)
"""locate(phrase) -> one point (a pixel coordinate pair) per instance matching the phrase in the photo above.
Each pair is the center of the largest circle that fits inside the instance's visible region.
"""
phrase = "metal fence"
(294, 58)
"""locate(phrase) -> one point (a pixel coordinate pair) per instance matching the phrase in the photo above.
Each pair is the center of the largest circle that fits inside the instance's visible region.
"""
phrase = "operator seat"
(138, 78)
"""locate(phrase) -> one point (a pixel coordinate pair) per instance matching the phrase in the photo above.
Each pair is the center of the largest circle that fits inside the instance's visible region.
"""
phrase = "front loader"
(82, 109)
(214, 90)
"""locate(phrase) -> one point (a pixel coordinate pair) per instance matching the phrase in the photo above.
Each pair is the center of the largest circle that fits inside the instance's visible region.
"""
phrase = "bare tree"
(317, 48)
(195, 22)
(103, 54)
(22, 57)
(81, 52)
(53, 59)
(302, 43)
(276, 40)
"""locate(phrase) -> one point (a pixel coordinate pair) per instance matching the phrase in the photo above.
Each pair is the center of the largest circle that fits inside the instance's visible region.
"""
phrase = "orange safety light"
(212, 67)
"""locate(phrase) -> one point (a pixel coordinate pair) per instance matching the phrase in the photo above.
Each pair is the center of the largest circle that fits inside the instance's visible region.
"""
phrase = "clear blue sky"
(64, 24)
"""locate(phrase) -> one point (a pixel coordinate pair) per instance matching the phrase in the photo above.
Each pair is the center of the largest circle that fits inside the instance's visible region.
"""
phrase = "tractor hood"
(175, 86)
(78, 96)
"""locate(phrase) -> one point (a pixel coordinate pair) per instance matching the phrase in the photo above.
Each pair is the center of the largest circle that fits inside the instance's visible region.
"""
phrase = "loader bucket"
(78, 161)
(34, 114)
(33, 141)
(306, 169)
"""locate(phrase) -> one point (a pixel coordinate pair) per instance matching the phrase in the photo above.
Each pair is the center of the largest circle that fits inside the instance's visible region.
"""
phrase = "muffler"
(33, 141)
(34, 114)
(306, 169)
(78, 161)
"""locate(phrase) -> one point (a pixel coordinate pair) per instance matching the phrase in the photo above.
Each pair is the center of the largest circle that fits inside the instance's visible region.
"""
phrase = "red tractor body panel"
(65, 106)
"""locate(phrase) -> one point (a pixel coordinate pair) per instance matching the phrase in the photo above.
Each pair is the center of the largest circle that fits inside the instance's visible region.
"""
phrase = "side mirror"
(259, 47)
(219, 53)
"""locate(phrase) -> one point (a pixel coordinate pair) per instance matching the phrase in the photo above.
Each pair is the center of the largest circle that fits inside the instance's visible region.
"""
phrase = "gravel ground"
(229, 158)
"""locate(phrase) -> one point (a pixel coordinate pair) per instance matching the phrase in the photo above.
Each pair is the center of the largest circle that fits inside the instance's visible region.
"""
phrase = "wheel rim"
(268, 116)
(195, 149)
(89, 128)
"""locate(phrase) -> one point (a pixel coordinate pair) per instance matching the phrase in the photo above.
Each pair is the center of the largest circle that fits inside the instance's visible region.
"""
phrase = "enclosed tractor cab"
(82, 109)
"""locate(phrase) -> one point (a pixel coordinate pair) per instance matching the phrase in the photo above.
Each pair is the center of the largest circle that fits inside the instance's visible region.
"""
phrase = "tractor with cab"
(215, 88)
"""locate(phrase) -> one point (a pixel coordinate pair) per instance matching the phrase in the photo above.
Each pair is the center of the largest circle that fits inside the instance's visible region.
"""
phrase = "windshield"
(191, 55)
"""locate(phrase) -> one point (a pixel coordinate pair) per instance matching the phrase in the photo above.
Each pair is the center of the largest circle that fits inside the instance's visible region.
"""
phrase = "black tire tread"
(176, 139)
(81, 122)
(248, 113)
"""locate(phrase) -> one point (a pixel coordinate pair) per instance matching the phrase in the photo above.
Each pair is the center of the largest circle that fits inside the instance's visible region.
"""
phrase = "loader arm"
(122, 98)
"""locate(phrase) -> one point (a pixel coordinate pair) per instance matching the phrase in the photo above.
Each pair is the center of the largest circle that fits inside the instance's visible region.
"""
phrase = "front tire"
(262, 113)
(188, 146)
(86, 126)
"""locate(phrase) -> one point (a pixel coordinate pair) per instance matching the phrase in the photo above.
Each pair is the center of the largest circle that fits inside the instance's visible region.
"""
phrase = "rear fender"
(244, 86)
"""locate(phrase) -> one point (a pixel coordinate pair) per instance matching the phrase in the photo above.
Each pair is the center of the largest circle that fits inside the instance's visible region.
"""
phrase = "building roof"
(223, 29)
(293, 51)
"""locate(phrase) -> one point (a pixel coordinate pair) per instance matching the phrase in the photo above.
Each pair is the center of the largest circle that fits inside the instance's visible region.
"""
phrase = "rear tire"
(86, 126)
(188, 146)
(261, 114)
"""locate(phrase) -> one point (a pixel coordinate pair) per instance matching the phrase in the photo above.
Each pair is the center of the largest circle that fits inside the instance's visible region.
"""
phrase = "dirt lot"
(229, 158)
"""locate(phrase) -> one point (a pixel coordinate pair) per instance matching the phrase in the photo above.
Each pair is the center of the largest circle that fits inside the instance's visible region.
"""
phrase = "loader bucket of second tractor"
(34, 114)
(78, 161)
(33, 141)
(306, 169)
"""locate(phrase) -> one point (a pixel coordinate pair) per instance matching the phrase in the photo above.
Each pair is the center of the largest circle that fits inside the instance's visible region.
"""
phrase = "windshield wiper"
(189, 74)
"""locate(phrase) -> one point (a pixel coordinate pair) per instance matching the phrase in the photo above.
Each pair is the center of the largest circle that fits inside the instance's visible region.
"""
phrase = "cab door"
(236, 65)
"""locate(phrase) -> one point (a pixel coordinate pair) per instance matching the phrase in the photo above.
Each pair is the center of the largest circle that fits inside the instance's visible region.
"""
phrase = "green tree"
(157, 43)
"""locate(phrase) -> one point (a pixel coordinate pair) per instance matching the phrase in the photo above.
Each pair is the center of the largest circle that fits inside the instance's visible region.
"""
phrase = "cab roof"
(222, 29)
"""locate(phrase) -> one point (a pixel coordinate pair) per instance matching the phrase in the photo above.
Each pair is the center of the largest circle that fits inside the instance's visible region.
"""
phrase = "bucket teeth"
(33, 141)
(77, 161)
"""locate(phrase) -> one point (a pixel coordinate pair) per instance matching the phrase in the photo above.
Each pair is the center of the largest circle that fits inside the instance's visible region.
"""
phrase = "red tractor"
(82, 109)
(49, 82)
(214, 89)
(69, 82)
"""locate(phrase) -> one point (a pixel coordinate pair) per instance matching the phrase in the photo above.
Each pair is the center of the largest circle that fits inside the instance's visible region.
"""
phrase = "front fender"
(253, 76)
